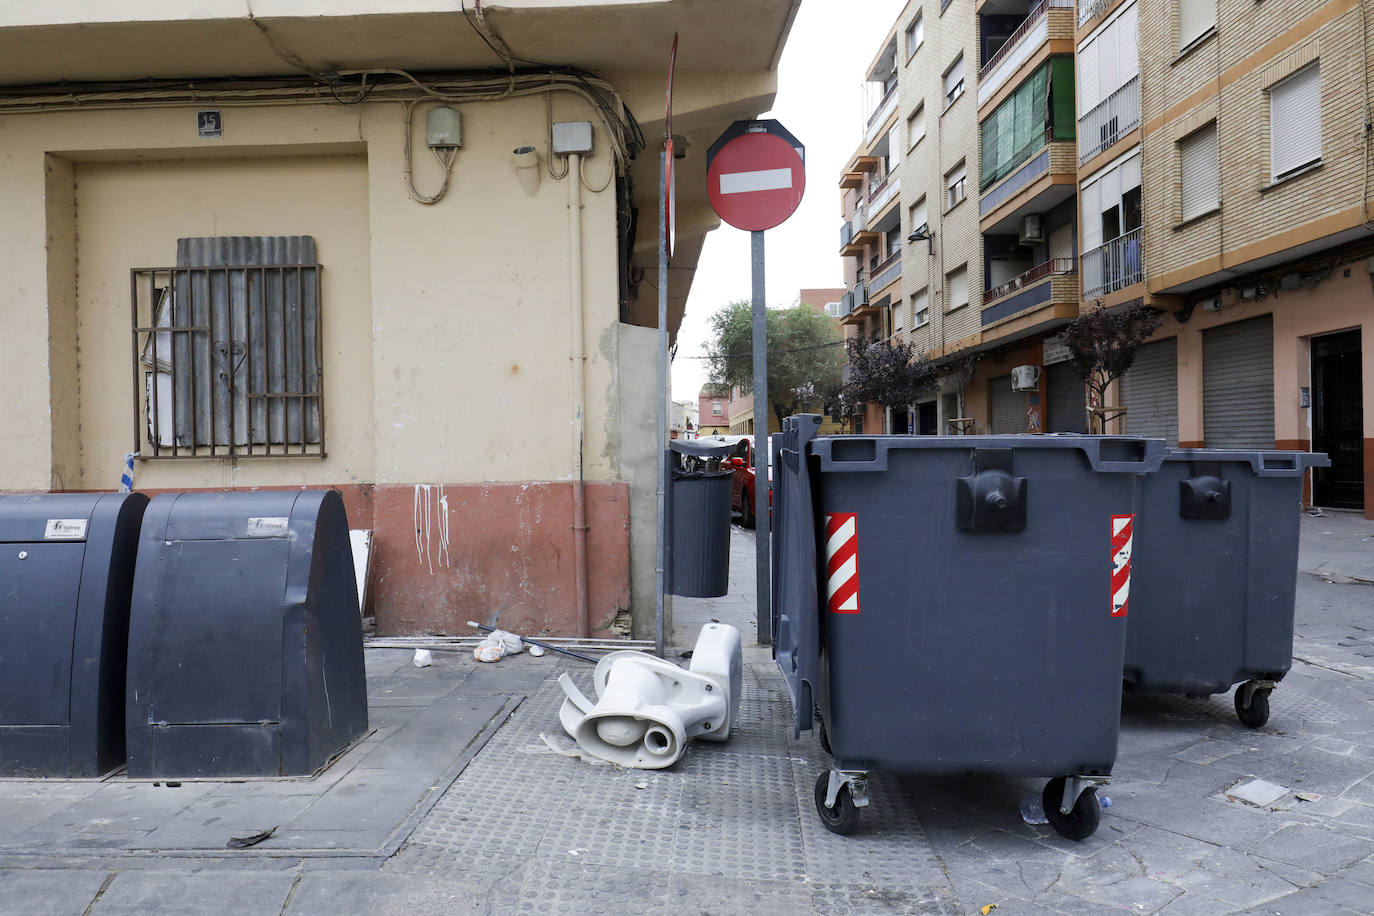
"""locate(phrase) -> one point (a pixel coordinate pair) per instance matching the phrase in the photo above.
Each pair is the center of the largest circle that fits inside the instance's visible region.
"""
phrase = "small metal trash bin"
(956, 604)
(66, 569)
(699, 519)
(1214, 606)
(245, 642)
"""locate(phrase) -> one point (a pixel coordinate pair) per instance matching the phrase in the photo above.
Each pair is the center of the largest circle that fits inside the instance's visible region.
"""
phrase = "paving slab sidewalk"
(732, 828)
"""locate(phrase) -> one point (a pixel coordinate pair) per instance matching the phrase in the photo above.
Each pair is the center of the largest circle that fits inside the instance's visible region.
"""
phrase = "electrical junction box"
(572, 137)
(444, 128)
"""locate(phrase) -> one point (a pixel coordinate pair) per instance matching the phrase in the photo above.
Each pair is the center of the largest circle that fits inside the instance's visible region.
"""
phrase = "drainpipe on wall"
(579, 386)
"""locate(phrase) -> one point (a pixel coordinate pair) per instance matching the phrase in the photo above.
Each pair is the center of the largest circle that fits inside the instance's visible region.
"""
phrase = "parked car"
(741, 459)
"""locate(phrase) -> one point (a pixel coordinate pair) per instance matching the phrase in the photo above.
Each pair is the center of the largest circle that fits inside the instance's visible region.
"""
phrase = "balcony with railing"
(1090, 9)
(886, 106)
(886, 273)
(853, 302)
(855, 236)
(1045, 19)
(1051, 287)
(881, 194)
(1113, 266)
(1110, 120)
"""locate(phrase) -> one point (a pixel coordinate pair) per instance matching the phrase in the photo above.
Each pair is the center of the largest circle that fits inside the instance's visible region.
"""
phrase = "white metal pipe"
(579, 390)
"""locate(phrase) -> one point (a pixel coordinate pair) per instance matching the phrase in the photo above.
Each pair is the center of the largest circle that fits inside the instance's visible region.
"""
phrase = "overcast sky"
(819, 97)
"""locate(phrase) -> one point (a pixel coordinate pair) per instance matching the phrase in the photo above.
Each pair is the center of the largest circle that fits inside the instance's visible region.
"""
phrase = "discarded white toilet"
(647, 709)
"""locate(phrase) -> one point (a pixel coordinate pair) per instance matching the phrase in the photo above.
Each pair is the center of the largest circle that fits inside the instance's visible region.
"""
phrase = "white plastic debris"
(497, 646)
(1032, 810)
(1258, 792)
(423, 658)
(536, 651)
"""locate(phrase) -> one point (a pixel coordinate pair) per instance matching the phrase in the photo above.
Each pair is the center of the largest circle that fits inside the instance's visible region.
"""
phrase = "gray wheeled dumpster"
(957, 604)
(245, 642)
(66, 569)
(1214, 607)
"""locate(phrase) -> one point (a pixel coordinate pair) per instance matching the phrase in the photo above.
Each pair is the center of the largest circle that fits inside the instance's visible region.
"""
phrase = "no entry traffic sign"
(755, 175)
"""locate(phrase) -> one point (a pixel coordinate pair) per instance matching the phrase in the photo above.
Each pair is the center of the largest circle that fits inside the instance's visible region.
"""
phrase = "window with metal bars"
(227, 350)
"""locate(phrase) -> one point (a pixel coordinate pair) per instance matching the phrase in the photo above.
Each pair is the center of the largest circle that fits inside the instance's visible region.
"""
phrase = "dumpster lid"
(55, 517)
(696, 448)
(1263, 462)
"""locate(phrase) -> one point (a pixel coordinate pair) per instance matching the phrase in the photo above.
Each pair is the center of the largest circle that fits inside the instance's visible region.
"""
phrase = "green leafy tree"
(804, 355)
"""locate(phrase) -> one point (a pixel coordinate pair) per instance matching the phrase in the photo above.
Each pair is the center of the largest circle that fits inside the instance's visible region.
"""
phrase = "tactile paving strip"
(598, 838)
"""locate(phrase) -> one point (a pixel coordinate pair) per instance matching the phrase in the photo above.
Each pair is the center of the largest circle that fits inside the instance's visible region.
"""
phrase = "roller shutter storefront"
(1149, 392)
(1008, 407)
(1238, 384)
(1067, 399)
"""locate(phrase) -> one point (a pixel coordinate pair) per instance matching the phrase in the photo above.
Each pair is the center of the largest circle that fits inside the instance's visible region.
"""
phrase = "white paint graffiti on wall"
(431, 526)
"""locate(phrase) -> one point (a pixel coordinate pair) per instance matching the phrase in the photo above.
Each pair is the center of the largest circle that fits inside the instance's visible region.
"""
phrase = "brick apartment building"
(1209, 158)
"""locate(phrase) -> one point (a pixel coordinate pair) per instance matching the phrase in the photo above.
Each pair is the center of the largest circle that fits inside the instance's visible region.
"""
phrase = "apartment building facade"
(1257, 232)
(1208, 158)
(472, 301)
(914, 173)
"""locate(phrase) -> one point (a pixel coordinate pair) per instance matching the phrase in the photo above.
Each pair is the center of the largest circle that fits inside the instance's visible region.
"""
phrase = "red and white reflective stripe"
(1123, 538)
(842, 562)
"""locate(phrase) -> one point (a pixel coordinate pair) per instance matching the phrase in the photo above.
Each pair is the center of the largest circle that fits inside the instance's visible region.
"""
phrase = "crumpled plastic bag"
(498, 645)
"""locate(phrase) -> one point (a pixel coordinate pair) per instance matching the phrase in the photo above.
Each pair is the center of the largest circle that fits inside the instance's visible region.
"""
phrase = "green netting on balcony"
(1041, 110)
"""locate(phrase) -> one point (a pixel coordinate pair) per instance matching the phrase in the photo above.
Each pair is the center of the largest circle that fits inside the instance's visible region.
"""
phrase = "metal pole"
(660, 442)
(762, 522)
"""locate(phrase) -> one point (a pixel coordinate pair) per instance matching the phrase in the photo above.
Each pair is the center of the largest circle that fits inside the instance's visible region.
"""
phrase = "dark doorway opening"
(1338, 420)
(927, 424)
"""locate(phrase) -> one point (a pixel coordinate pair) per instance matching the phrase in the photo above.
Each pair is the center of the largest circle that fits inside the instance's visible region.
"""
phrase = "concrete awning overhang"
(95, 40)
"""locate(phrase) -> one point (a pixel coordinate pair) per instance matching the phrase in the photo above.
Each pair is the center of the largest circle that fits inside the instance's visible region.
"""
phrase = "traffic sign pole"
(755, 177)
(763, 521)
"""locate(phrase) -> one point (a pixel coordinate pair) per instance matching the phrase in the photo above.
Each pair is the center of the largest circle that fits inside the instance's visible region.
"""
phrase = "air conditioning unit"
(1031, 231)
(1025, 378)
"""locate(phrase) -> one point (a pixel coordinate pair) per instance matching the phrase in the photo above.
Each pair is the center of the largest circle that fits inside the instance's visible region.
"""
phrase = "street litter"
(533, 642)
(497, 646)
(1308, 797)
(1257, 792)
(243, 842)
(647, 708)
(1033, 810)
(423, 658)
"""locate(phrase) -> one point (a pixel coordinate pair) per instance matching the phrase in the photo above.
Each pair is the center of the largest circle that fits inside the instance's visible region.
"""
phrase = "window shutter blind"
(1194, 18)
(918, 215)
(1198, 152)
(1088, 90)
(958, 288)
(1092, 216)
(1295, 121)
(1130, 173)
(916, 126)
(1108, 64)
(953, 76)
(1127, 43)
(952, 179)
(918, 305)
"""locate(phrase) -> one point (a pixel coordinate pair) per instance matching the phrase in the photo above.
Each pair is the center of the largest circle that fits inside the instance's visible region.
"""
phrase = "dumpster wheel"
(843, 817)
(1252, 703)
(1081, 822)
